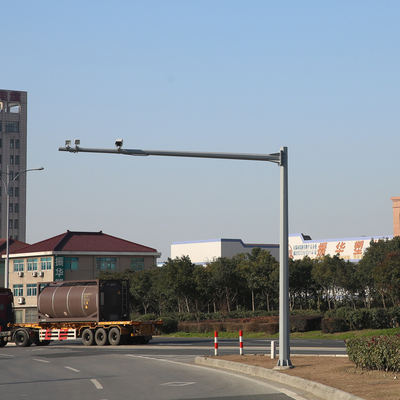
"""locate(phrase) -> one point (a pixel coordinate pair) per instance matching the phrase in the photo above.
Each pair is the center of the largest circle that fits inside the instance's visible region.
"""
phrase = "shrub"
(332, 325)
(170, 325)
(375, 353)
(305, 323)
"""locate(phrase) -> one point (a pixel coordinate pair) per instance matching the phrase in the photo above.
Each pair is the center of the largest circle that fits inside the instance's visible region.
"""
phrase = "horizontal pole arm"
(275, 157)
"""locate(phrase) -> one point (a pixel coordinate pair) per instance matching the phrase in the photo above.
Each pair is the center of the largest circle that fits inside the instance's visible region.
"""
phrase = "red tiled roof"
(14, 245)
(85, 241)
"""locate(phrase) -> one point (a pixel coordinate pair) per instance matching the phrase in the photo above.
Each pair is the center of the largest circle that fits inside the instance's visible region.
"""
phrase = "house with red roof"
(13, 245)
(70, 256)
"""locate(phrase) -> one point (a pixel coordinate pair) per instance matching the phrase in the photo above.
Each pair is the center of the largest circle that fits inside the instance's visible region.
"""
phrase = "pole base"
(283, 364)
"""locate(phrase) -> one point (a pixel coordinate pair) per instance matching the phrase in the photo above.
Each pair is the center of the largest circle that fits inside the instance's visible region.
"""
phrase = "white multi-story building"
(13, 154)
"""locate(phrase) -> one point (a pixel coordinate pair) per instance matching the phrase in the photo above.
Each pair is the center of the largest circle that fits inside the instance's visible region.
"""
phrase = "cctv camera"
(119, 143)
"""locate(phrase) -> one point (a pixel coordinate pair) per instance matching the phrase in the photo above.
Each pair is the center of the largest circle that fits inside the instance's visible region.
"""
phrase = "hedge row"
(374, 318)
(377, 353)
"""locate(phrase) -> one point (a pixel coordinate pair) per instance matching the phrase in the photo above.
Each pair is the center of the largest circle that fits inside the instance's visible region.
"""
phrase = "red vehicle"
(97, 311)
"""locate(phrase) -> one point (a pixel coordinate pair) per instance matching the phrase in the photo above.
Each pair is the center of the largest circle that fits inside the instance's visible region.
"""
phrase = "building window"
(11, 160)
(11, 191)
(12, 127)
(16, 224)
(17, 143)
(10, 224)
(18, 290)
(32, 264)
(137, 264)
(31, 289)
(106, 264)
(16, 208)
(0, 158)
(45, 263)
(0, 124)
(17, 160)
(71, 263)
(11, 207)
(31, 315)
(16, 192)
(18, 265)
(11, 143)
(19, 316)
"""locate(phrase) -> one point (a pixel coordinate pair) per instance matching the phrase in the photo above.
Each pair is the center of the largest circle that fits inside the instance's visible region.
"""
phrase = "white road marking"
(72, 369)
(44, 361)
(177, 383)
(96, 383)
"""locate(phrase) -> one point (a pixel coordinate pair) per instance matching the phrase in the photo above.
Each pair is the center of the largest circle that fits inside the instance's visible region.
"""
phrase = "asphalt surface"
(163, 369)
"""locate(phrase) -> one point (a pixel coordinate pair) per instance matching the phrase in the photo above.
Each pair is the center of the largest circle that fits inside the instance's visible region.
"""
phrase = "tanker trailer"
(97, 311)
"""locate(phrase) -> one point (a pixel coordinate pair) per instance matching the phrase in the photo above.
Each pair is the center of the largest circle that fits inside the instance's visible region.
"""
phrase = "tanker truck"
(97, 311)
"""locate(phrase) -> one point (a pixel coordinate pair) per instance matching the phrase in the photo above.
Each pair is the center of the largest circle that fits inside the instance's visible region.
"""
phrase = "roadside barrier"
(216, 343)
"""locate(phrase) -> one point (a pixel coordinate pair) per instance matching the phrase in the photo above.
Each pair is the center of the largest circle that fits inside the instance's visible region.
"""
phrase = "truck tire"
(114, 336)
(101, 337)
(87, 337)
(21, 338)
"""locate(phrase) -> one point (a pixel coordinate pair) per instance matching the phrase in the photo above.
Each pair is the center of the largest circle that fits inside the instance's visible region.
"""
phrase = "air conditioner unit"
(40, 273)
(21, 300)
(34, 273)
(20, 273)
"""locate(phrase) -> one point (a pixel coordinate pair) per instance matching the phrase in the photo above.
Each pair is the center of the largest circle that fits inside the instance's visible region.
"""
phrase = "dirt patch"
(337, 372)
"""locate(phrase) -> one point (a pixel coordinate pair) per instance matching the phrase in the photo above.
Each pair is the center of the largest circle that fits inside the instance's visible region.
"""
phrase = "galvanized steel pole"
(281, 159)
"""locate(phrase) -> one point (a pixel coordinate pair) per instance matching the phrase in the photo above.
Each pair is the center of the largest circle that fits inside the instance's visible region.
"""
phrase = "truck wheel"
(101, 337)
(2, 342)
(22, 338)
(87, 337)
(114, 336)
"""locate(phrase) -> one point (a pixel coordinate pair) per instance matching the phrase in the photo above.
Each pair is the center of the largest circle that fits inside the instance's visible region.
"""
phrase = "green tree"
(302, 286)
(328, 272)
(373, 257)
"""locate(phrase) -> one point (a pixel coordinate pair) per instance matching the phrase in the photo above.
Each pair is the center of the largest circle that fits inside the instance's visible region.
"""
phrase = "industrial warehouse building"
(300, 245)
(70, 256)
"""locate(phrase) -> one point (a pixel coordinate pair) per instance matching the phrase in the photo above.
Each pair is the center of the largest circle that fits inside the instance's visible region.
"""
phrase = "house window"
(12, 127)
(18, 265)
(45, 263)
(137, 264)
(18, 290)
(71, 263)
(31, 289)
(32, 264)
(106, 264)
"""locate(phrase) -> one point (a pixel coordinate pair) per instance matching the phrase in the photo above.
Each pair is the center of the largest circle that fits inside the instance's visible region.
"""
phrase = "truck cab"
(6, 312)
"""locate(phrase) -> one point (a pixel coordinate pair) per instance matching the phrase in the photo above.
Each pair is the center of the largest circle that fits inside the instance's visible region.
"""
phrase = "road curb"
(318, 389)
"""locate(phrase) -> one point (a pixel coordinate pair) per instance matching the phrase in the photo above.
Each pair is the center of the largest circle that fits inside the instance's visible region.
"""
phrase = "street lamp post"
(7, 186)
(280, 158)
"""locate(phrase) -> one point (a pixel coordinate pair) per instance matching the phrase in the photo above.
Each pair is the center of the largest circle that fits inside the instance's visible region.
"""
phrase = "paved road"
(163, 369)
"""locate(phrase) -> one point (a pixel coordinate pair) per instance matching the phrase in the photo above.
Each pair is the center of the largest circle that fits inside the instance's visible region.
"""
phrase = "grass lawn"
(294, 335)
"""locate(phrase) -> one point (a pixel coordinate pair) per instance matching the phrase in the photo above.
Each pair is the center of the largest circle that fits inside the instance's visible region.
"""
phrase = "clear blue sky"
(320, 77)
